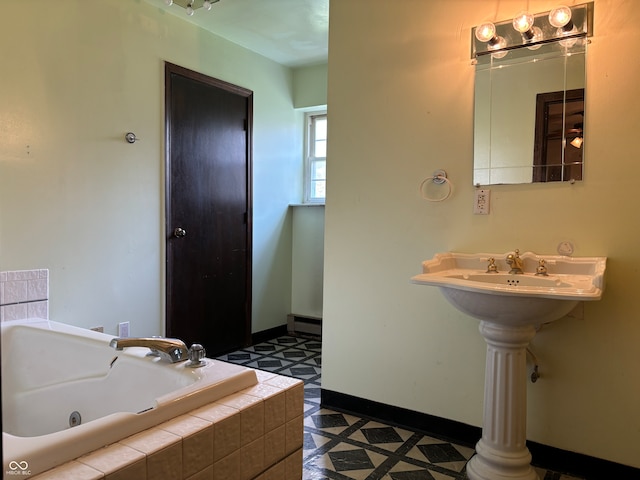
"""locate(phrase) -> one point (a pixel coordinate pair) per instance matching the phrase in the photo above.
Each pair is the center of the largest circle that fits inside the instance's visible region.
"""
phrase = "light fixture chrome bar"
(581, 26)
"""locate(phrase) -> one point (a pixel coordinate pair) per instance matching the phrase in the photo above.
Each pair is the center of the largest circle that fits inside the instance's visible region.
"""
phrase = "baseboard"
(449, 430)
(556, 459)
(269, 334)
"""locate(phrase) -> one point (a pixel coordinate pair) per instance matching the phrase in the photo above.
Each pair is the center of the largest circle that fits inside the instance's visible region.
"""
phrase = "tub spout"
(170, 349)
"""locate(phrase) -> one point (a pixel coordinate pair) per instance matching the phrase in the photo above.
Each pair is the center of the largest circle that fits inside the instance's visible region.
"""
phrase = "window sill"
(315, 204)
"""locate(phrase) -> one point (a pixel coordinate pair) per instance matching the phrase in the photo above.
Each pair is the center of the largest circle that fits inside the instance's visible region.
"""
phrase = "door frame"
(170, 69)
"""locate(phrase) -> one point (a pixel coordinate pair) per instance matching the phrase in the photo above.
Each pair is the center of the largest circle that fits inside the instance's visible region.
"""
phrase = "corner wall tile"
(15, 291)
(38, 310)
(22, 275)
(14, 312)
(37, 289)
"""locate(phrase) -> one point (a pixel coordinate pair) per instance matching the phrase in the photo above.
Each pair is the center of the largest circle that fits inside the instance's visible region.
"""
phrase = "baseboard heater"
(304, 324)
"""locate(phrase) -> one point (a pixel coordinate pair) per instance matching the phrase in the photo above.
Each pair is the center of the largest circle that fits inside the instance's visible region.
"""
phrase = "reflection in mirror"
(559, 136)
(529, 100)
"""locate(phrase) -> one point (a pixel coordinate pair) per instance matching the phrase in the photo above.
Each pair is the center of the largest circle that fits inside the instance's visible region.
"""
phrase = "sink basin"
(514, 298)
(509, 307)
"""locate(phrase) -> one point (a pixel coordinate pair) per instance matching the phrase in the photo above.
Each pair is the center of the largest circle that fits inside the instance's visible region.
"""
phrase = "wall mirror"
(529, 99)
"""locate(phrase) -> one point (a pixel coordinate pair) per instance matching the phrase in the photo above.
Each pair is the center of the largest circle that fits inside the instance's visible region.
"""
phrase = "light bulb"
(207, 4)
(537, 36)
(168, 2)
(567, 42)
(523, 22)
(189, 10)
(485, 32)
(560, 16)
(498, 43)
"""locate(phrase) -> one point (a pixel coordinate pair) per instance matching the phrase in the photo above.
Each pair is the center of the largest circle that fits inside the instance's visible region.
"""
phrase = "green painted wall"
(310, 86)
(79, 200)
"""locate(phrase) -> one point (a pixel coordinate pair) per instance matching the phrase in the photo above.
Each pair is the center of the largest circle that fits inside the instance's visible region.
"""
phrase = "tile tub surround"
(24, 294)
(256, 433)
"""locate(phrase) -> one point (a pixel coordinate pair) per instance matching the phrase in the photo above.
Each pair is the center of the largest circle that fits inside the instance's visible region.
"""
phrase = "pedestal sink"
(510, 307)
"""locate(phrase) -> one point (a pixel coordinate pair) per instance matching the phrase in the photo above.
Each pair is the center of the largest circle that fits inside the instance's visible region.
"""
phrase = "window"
(316, 158)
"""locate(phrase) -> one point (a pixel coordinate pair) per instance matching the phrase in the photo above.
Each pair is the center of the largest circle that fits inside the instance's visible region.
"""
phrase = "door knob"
(179, 232)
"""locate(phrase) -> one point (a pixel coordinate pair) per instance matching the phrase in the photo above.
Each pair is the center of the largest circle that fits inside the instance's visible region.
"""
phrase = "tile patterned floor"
(339, 446)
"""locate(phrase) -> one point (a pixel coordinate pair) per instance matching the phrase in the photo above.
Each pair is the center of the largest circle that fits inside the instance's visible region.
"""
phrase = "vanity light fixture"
(191, 6)
(563, 24)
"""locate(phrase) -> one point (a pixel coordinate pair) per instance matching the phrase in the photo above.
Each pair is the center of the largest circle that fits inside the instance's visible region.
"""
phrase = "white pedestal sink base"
(501, 453)
(509, 307)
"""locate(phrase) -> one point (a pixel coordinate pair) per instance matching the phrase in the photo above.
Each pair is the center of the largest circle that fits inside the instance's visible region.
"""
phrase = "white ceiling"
(291, 32)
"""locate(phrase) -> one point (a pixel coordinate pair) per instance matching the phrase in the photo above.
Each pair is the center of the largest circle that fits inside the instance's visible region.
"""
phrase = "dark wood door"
(208, 211)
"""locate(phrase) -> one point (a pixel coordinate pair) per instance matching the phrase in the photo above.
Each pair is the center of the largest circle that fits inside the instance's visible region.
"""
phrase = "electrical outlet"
(481, 201)
(123, 329)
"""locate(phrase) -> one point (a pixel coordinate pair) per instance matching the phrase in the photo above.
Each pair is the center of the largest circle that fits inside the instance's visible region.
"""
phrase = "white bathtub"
(50, 370)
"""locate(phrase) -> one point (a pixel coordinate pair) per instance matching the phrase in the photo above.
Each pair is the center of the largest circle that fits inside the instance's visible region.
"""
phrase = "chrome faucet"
(170, 349)
(515, 262)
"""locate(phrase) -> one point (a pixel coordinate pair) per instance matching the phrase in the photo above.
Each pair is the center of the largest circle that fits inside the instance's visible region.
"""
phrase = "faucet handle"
(542, 268)
(492, 267)
(196, 356)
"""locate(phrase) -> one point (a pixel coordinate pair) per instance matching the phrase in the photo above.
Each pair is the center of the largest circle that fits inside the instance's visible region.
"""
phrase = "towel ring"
(439, 177)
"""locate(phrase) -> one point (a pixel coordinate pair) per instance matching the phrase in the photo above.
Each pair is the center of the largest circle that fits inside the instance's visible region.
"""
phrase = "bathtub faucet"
(170, 349)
